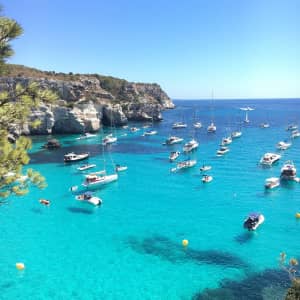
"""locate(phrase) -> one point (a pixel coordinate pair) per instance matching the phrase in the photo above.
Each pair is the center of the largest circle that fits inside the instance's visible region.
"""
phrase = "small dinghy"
(174, 155)
(206, 178)
(272, 183)
(205, 168)
(89, 198)
(86, 167)
(253, 221)
(120, 168)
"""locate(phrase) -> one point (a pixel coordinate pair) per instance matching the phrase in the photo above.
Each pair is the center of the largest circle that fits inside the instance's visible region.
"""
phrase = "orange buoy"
(297, 215)
(20, 266)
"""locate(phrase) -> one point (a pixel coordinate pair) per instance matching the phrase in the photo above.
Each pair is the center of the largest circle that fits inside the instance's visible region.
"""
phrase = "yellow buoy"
(297, 215)
(185, 243)
(20, 266)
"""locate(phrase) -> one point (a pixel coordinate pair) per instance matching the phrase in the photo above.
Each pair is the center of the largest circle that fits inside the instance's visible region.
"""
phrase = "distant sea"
(131, 246)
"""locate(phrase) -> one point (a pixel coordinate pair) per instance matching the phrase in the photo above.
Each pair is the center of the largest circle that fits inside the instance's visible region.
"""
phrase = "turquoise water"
(130, 247)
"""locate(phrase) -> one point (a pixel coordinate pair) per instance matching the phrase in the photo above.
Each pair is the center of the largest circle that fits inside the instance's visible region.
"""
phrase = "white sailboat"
(247, 109)
(97, 179)
(212, 128)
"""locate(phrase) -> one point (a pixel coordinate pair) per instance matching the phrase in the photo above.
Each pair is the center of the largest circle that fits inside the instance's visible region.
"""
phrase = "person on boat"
(44, 202)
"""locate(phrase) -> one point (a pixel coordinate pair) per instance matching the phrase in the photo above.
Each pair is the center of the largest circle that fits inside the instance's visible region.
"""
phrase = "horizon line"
(267, 98)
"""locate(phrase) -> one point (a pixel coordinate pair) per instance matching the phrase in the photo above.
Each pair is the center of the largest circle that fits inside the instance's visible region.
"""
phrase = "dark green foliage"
(15, 108)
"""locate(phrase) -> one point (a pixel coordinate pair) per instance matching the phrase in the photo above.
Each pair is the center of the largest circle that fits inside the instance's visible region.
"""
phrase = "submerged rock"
(52, 144)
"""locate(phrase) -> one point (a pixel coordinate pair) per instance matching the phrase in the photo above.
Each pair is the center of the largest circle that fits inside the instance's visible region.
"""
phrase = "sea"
(131, 247)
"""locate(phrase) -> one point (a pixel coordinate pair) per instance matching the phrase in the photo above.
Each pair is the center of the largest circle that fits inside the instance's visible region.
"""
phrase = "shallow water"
(130, 247)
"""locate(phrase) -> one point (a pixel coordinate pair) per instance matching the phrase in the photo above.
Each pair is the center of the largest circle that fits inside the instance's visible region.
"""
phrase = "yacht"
(98, 179)
(264, 125)
(223, 150)
(288, 171)
(184, 165)
(226, 141)
(173, 140)
(174, 155)
(292, 127)
(71, 157)
(150, 132)
(197, 125)
(109, 139)
(272, 182)
(179, 125)
(89, 198)
(283, 145)
(134, 129)
(120, 168)
(86, 135)
(269, 159)
(236, 134)
(206, 178)
(205, 168)
(212, 127)
(86, 167)
(191, 145)
(295, 134)
(253, 221)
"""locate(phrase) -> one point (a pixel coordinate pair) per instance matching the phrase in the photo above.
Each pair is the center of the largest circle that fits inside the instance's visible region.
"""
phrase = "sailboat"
(197, 124)
(246, 116)
(150, 131)
(99, 178)
(212, 127)
(110, 138)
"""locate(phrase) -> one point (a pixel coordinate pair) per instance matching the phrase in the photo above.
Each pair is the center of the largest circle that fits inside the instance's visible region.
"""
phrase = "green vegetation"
(15, 107)
(292, 268)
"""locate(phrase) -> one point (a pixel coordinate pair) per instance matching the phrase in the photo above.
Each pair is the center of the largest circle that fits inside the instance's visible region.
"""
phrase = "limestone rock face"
(114, 115)
(86, 102)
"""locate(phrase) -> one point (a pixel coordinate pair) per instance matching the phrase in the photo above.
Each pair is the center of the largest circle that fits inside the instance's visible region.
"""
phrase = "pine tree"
(16, 104)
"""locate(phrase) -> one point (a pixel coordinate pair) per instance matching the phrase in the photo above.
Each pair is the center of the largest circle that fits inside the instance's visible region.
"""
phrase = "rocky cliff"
(86, 102)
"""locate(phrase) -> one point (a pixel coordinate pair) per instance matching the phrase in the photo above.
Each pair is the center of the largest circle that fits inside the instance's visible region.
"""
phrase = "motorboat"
(86, 167)
(146, 126)
(197, 125)
(236, 134)
(134, 129)
(226, 141)
(98, 179)
(205, 168)
(89, 198)
(272, 182)
(125, 126)
(292, 127)
(178, 125)
(288, 171)
(174, 155)
(223, 150)
(206, 178)
(150, 132)
(86, 135)
(173, 140)
(109, 139)
(264, 125)
(191, 145)
(212, 127)
(189, 163)
(283, 145)
(295, 134)
(120, 168)
(253, 221)
(72, 157)
(269, 159)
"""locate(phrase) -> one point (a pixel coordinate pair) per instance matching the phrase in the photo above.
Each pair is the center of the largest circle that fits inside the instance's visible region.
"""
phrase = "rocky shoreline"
(84, 104)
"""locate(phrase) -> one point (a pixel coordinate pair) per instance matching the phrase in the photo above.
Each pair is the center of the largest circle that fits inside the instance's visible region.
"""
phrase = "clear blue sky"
(238, 48)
